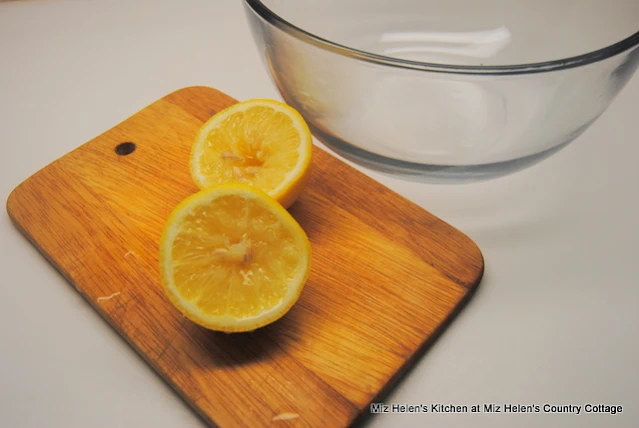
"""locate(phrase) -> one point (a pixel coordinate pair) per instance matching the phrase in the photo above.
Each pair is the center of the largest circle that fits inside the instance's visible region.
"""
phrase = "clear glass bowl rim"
(538, 67)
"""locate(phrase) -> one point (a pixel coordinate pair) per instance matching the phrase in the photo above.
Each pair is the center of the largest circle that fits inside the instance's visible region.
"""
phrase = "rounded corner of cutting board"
(193, 89)
(12, 204)
(472, 286)
(9, 205)
(477, 260)
(197, 91)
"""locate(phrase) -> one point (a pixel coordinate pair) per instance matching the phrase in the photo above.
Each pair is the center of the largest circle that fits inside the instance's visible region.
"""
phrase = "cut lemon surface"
(260, 142)
(233, 259)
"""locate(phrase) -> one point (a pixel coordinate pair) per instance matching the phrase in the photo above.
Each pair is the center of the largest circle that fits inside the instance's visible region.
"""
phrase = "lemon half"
(260, 142)
(233, 259)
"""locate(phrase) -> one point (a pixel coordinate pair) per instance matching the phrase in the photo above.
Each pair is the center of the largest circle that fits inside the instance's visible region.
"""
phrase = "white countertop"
(554, 320)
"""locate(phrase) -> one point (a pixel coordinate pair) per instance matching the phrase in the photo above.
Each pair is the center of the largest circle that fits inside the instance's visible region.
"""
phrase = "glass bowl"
(462, 90)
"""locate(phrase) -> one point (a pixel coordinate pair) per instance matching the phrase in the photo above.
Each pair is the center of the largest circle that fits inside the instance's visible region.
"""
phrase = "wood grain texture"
(386, 276)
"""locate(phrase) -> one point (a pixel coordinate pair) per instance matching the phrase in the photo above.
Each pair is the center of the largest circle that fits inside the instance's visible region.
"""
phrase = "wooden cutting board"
(387, 276)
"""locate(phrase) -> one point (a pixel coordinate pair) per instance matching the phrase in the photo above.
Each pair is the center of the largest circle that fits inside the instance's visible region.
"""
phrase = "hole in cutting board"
(125, 148)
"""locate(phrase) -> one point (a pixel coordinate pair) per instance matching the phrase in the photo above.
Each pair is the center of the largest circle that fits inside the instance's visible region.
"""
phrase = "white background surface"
(554, 320)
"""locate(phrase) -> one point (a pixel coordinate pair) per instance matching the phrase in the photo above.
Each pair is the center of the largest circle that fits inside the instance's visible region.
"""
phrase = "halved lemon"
(233, 259)
(260, 142)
